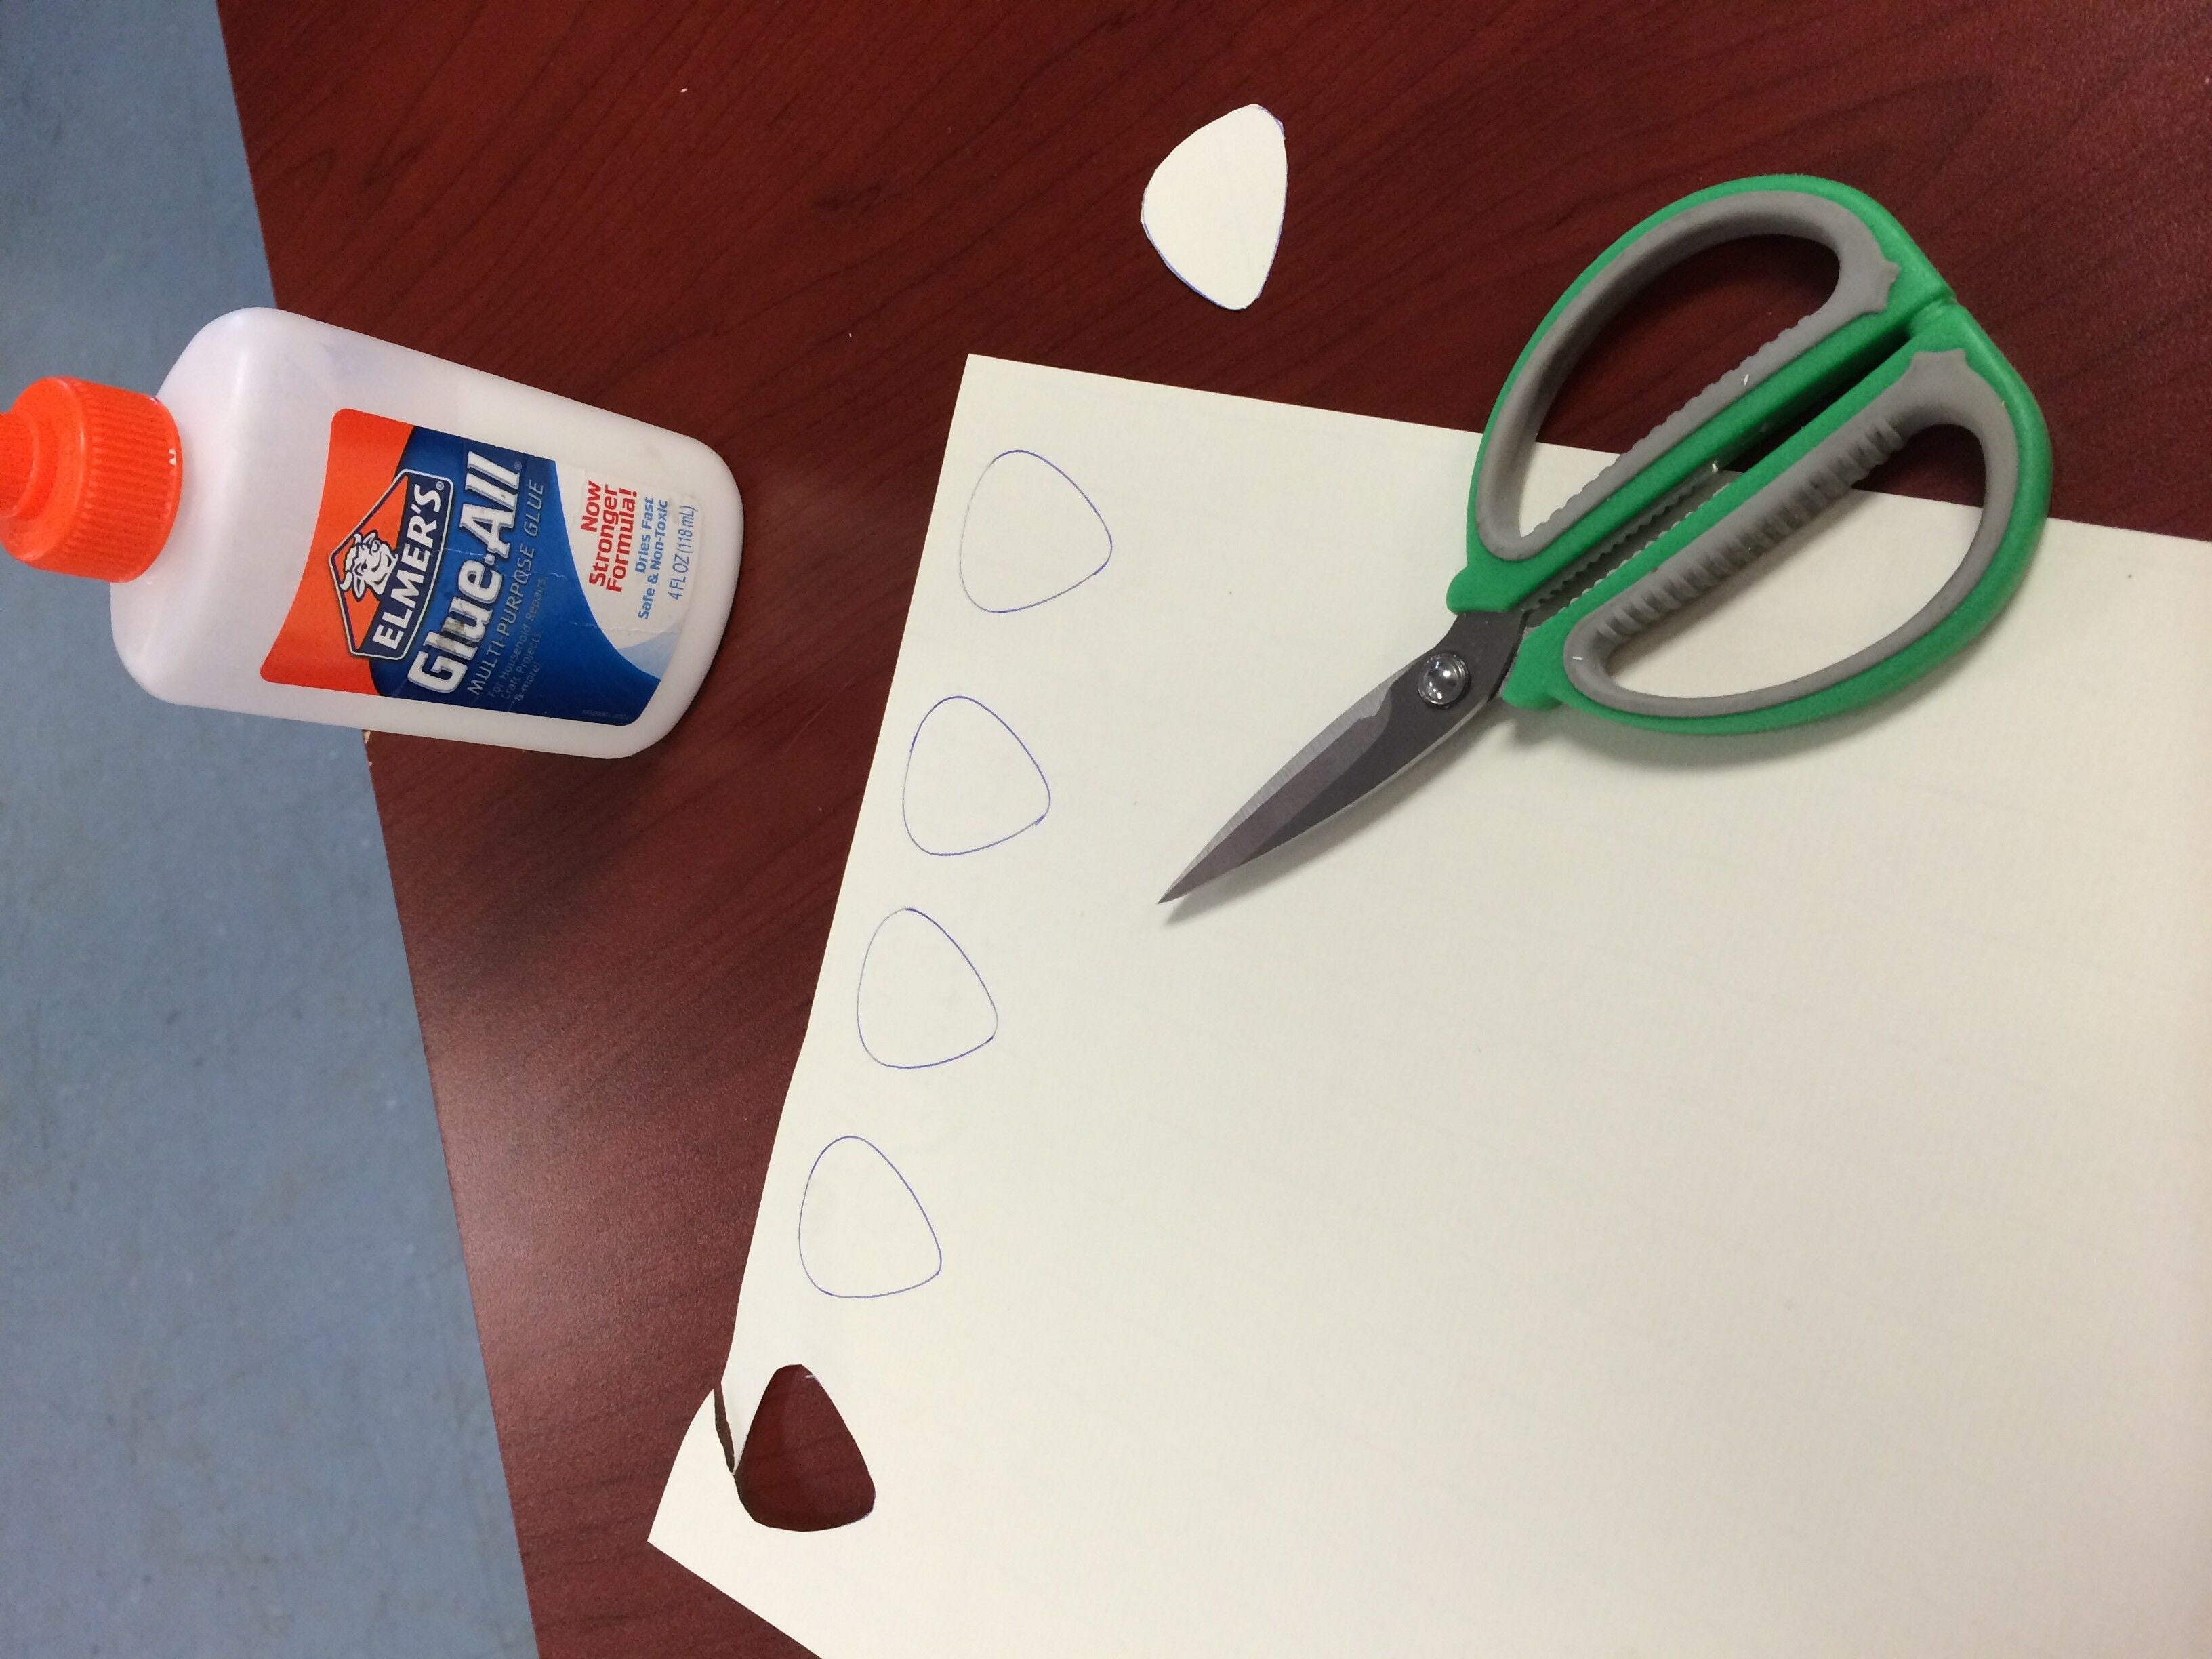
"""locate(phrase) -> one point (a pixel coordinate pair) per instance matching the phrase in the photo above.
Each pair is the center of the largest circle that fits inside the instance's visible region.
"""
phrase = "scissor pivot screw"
(1443, 680)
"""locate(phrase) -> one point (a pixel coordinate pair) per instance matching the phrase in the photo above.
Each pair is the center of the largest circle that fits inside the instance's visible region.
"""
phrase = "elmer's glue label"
(311, 523)
(459, 572)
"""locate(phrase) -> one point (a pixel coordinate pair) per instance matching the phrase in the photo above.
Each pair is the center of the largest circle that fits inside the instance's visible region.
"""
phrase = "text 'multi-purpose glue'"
(310, 522)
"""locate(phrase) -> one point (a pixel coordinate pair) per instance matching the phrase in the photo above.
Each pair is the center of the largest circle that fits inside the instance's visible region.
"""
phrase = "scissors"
(1537, 614)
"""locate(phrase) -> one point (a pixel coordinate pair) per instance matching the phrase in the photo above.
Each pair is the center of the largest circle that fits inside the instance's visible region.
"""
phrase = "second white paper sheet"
(1617, 1194)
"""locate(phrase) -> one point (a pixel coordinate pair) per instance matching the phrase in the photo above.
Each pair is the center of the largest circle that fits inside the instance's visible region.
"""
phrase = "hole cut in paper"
(920, 1001)
(799, 1469)
(862, 1231)
(970, 782)
(1030, 534)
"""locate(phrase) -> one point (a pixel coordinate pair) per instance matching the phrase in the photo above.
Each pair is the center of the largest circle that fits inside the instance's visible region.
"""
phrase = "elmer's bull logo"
(386, 566)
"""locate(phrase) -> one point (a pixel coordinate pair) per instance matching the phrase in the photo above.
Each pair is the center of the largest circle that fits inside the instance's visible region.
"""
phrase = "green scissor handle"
(1889, 354)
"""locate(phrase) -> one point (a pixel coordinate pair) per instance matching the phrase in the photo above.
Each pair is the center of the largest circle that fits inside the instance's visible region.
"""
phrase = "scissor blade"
(1364, 747)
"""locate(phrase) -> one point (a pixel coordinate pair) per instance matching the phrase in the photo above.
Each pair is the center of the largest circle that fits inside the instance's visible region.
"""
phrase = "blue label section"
(507, 623)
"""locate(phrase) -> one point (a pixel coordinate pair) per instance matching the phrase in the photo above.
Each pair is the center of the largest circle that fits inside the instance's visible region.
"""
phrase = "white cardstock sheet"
(1610, 1193)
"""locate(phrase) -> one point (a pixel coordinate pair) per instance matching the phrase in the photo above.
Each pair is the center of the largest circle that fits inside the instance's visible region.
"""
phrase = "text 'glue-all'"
(310, 522)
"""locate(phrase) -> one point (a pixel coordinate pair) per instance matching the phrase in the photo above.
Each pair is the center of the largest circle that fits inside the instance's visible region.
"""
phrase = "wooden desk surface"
(782, 229)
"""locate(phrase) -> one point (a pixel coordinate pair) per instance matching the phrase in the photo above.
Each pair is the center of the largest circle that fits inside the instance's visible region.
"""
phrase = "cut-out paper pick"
(1214, 208)
(799, 1469)
(920, 1001)
(1030, 534)
(970, 781)
(862, 1232)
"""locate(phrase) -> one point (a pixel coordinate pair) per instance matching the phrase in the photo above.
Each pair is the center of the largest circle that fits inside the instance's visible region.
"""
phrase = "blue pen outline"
(861, 979)
(967, 512)
(907, 778)
(799, 1230)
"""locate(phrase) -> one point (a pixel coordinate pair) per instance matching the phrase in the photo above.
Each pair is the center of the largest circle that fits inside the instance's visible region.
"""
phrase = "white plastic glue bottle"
(310, 522)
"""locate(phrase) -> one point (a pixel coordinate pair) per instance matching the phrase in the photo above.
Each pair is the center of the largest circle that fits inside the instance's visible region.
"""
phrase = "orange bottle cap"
(89, 478)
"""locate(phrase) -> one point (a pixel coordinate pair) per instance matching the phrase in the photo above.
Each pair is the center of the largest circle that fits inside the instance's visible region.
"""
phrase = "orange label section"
(312, 647)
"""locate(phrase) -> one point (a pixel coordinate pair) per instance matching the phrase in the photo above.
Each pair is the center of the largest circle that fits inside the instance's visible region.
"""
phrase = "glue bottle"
(309, 523)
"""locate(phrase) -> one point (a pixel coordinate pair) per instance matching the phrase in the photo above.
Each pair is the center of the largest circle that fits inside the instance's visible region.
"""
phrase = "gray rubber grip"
(1864, 276)
(1938, 388)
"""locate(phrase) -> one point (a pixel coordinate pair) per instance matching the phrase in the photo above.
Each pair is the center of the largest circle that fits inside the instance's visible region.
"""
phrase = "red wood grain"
(783, 228)
(796, 1467)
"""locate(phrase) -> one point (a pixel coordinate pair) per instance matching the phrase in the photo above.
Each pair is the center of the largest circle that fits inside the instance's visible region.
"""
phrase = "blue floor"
(242, 1410)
